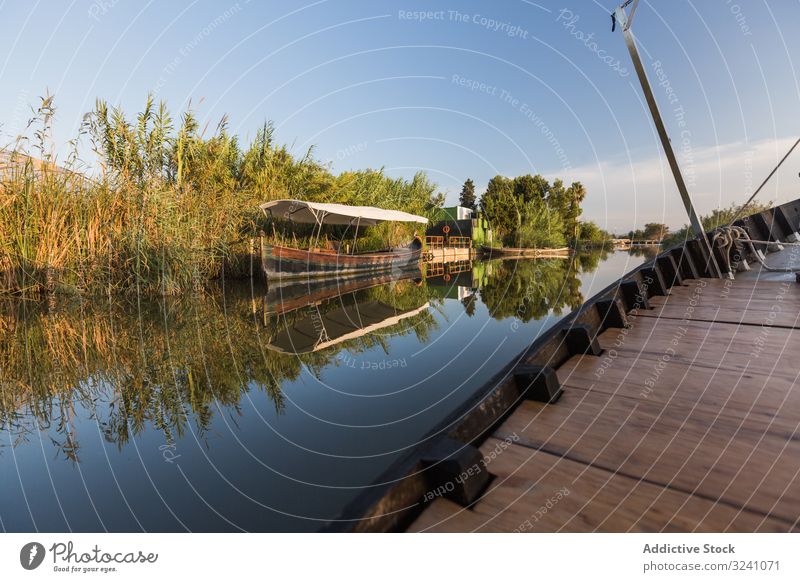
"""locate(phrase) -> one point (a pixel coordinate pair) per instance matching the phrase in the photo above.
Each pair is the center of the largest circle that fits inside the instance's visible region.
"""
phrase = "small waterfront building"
(458, 221)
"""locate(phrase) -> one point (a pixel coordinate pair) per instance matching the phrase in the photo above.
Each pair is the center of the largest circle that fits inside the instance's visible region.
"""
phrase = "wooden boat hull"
(280, 262)
(295, 293)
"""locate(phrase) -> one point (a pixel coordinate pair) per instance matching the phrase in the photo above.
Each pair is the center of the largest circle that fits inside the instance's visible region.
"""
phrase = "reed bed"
(162, 209)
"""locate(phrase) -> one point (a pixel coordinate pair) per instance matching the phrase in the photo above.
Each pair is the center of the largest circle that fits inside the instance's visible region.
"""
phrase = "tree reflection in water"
(535, 288)
(647, 251)
(531, 289)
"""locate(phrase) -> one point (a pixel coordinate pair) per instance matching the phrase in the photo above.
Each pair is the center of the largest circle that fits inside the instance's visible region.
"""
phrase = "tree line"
(651, 231)
(529, 211)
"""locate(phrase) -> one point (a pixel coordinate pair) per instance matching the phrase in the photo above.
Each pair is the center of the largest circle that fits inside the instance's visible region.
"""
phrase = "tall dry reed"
(164, 209)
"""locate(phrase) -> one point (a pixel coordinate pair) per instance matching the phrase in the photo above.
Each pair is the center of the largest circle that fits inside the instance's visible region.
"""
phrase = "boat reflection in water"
(314, 315)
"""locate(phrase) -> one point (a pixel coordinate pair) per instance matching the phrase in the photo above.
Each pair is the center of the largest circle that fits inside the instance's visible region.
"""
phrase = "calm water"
(248, 411)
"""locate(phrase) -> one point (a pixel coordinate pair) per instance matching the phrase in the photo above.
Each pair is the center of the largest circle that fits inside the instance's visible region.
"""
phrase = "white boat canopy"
(323, 213)
(316, 331)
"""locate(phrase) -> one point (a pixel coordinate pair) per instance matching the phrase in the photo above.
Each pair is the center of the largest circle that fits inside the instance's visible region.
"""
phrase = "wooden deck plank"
(539, 492)
(717, 457)
(740, 359)
(772, 304)
(732, 287)
(732, 392)
(704, 342)
(745, 315)
(718, 290)
(780, 292)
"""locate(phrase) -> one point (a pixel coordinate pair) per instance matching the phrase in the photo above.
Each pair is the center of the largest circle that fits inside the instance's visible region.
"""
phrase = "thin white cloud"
(622, 196)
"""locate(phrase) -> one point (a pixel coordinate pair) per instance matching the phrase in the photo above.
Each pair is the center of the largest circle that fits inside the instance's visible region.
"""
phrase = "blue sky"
(458, 89)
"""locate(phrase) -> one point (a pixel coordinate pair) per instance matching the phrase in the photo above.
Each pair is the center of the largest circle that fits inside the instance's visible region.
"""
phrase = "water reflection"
(529, 290)
(277, 386)
(646, 251)
(355, 314)
(130, 367)
(163, 365)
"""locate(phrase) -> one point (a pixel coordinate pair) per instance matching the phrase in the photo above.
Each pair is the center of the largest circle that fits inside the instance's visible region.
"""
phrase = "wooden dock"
(447, 249)
(449, 254)
(688, 420)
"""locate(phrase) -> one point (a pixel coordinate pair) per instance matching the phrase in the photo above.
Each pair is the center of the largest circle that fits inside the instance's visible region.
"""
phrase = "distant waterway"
(252, 410)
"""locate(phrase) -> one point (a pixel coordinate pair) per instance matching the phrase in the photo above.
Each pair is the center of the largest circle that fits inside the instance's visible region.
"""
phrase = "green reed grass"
(166, 209)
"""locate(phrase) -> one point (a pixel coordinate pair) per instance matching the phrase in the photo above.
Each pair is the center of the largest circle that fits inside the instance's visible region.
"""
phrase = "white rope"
(725, 236)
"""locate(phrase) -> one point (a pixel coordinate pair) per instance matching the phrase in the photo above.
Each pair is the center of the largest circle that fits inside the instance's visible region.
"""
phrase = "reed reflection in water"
(163, 365)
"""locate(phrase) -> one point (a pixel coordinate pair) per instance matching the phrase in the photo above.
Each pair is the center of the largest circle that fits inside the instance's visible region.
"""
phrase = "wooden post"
(262, 251)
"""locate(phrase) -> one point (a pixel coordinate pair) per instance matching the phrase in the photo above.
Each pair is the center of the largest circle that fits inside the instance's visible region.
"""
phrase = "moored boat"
(283, 262)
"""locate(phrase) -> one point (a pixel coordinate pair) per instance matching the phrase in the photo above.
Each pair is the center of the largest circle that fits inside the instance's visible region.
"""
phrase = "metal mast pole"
(625, 22)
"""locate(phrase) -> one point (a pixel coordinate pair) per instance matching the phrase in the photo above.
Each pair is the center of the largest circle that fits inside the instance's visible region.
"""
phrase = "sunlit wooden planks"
(739, 462)
(536, 491)
(731, 391)
(749, 302)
